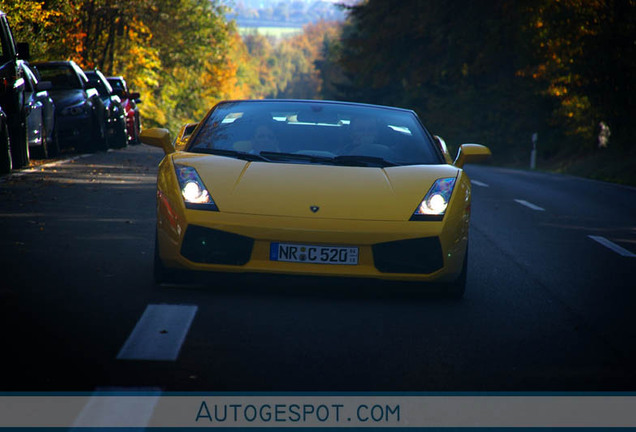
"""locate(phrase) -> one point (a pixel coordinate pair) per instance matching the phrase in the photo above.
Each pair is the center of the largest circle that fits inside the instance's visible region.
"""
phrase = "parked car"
(115, 115)
(40, 115)
(14, 149)
(313, 188)
(79, 111)
(5, 156)
(129, 102)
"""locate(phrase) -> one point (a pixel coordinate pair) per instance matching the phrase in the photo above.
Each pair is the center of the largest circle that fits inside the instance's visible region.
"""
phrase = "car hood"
(64, 98)
(340, 192)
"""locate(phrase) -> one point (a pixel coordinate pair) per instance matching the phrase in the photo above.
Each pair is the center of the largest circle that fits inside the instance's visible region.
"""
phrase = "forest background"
(494, 72)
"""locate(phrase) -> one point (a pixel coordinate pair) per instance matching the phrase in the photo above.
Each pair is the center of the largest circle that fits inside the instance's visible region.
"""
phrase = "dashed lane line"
(530, 205)
(478, 183)
(613, 246)
(159, 333)
(111, 407)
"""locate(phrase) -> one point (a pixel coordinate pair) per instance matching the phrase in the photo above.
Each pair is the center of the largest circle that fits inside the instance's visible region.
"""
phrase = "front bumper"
(74, 129)
(214, 241)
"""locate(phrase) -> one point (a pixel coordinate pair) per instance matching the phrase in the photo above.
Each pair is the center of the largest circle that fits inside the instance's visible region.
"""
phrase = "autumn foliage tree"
(179, 54)
(497, 71)
(290, 68)
(586, 62)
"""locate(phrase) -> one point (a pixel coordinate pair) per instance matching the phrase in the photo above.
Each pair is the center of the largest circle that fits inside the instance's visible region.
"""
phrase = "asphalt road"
(547, 308)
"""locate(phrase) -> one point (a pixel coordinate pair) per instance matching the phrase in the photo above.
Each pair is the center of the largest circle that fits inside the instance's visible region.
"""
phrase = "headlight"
(433, 206)
(77, 109)
(194, 193)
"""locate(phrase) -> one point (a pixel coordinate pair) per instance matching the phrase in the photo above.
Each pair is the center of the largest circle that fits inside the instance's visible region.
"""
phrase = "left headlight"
(194, 193)
(434, 204)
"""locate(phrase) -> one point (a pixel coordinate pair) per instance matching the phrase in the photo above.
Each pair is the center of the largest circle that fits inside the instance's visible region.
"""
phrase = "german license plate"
(301, 253)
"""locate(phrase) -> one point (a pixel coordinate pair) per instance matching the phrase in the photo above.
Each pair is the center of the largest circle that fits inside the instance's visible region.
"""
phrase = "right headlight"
(194, 193)
(433, 206)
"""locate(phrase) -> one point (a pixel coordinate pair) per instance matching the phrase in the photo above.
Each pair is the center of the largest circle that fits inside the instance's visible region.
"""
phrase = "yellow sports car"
(313, 188)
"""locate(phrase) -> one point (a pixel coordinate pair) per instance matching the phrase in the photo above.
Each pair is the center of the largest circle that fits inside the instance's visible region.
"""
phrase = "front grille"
(210, 246)
(422, 255)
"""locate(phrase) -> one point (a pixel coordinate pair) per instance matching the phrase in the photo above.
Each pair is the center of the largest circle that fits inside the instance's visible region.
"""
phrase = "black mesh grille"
(422, 255)
(210, 246)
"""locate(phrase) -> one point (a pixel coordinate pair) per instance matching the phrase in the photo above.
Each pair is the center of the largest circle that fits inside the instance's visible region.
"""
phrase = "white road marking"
(530, 205)
(159, 333)
(613, 246)
(478, 183)
(104, 410)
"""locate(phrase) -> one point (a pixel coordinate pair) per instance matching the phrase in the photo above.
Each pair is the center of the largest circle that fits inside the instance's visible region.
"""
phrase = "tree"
(454, 63)
(164, 48)
(586, 62)
(289, 69)
(497, 71)
(50, 28)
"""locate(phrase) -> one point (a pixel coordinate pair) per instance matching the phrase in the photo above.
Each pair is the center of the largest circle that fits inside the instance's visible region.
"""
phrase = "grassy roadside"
(610, 165)
(604, 164)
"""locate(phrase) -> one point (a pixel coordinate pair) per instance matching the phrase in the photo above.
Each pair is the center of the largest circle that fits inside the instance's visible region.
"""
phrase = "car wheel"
(161, 274)
(54, 144)
(120, 138)
(456, 289)
(42, 152)
(19, 146)
(102, 137)
(5, 150)
(96, 139)
(135, 138)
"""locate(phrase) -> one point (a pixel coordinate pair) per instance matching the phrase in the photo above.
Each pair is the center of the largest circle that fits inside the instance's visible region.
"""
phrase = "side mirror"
(442, 146)
(91, 92)
(183, 135)
(23, 51)
(157, 137)
(134, 95)
(43, 86)
(471, 153)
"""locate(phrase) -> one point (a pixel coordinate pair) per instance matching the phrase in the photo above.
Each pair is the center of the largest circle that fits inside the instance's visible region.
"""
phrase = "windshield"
(102, 86)
(118, 86)
(316, 132)
(62, 77)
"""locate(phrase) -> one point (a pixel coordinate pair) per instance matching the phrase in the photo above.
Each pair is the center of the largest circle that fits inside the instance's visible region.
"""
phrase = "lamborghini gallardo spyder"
(314, 188)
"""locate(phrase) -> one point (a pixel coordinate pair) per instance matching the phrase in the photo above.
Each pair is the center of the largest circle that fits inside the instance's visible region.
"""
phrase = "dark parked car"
(115, 116)
(129, 102)
(40, 111)
(79, 111)
(14, 150)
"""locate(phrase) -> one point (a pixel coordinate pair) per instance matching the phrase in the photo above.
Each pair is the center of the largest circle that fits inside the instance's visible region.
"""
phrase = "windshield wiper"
(294, 156)
(232, 153)
(361, 160)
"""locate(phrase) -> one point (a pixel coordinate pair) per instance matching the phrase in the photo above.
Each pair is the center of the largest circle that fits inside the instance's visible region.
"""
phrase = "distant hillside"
(277, 13)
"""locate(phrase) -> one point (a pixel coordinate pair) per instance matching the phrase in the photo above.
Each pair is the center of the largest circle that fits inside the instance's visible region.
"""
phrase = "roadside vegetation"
(497, 72)
(178, 54)
(493, 72)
